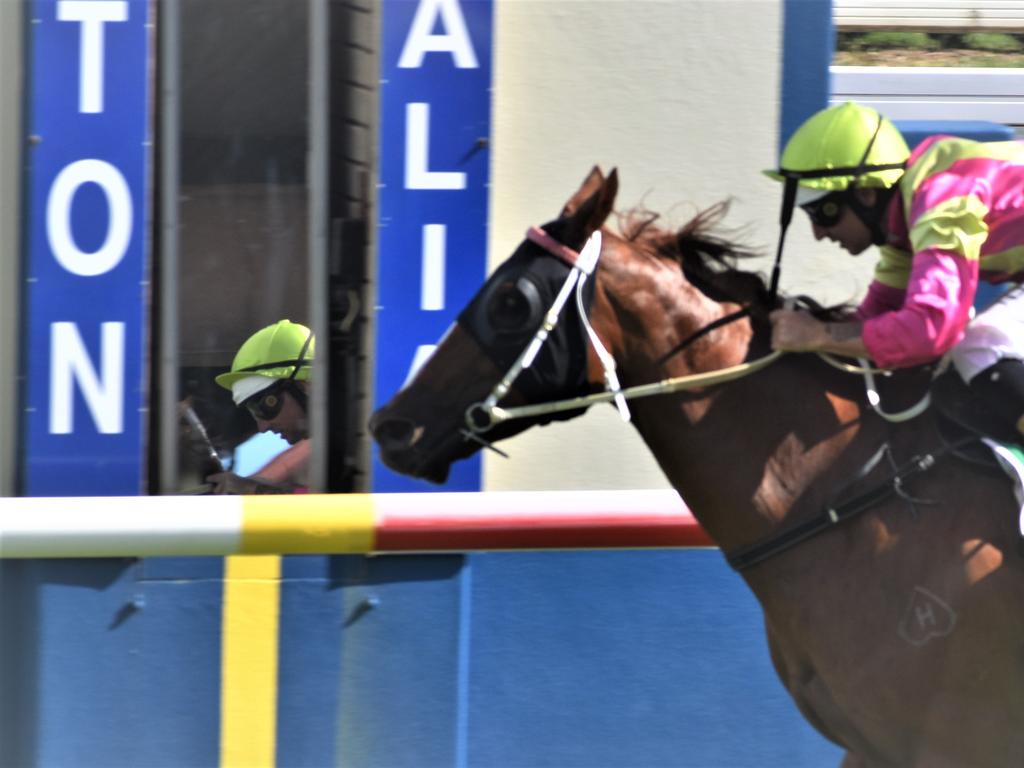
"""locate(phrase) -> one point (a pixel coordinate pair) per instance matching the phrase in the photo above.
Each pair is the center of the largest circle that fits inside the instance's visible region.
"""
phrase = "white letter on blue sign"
(455, 40)
(58, 217)
(92, 14)
(69, 362)
(417, 140)
(432, 281)
(423, 353)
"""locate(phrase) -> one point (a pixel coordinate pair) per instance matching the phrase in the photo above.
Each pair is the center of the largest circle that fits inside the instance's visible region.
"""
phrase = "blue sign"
(86, 288)
(434, 130)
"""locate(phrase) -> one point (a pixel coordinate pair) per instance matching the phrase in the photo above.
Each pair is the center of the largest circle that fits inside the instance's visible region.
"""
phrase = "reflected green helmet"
(283, 350)
(843, 146)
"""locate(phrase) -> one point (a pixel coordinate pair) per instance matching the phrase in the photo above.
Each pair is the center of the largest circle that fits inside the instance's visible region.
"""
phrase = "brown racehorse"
(897, 631)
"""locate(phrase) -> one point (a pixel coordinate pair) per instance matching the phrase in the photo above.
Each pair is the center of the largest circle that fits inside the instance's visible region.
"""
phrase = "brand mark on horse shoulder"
(927, 617)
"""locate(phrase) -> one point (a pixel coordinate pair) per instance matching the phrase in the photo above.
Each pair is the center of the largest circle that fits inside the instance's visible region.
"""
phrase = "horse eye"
(514, 307)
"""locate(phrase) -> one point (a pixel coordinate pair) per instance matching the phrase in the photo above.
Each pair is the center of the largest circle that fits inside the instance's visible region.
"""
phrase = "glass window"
(242, 212)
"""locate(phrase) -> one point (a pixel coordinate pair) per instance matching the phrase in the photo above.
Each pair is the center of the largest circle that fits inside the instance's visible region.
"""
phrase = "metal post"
(11, 142)
(168, 343)
(317, 192)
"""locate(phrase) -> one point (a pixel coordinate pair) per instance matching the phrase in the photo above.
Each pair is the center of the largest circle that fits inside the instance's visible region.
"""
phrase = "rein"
(663, 387)
(482, 416)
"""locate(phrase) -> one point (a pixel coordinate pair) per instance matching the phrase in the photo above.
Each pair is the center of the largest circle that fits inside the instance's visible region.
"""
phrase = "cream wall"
(683, 98)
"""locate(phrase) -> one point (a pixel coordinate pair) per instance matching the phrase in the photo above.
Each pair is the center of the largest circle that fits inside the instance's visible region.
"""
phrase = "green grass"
(888, 40)
(991, 41)
(919, 49)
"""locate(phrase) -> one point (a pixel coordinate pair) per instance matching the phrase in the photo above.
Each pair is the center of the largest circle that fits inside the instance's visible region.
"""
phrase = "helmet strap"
(872, 216)
(293, 388)
(290, 383)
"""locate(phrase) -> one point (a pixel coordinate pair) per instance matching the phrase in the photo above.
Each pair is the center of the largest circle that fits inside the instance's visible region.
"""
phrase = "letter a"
(455, 39)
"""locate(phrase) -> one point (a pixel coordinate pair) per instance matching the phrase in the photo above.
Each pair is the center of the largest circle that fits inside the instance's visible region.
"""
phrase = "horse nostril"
(395, 434)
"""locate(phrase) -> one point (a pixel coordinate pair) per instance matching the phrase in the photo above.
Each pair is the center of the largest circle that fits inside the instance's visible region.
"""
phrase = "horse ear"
(589, 207)
(590, 185)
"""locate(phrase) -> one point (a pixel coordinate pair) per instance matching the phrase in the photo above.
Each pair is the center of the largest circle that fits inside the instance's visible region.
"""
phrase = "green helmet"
(843, 146)
(283, 350)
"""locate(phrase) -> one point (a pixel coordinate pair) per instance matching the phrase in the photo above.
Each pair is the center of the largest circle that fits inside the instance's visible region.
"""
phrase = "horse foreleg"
(815, 702)
(808, 693)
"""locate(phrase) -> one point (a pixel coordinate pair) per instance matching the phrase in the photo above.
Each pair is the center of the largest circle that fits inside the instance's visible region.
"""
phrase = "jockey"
(944, 216)
(270, 377)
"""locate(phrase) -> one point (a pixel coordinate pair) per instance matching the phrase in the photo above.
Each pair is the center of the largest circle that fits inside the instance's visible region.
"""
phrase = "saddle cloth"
(1011, 459)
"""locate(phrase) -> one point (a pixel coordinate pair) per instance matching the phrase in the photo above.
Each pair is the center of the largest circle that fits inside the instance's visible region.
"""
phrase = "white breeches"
(996, 333)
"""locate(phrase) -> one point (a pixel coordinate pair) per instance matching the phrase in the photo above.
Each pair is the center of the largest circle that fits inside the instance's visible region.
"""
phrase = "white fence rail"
(935, 93)
(929, 15)
(353, 523)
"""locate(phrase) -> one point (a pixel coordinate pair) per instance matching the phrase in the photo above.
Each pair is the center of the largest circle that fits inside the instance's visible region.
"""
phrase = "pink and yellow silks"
(957, 218)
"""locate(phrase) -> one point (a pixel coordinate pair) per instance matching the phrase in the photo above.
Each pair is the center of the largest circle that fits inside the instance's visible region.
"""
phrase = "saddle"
(962, 415)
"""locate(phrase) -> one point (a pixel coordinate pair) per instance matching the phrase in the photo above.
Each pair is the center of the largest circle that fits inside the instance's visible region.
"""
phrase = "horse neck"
(748, 456)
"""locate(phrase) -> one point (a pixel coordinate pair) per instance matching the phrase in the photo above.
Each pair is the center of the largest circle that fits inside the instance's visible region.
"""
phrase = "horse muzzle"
(404, 447)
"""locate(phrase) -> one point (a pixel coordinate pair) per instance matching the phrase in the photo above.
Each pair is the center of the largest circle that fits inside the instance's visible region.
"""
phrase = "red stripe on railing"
(535, 520)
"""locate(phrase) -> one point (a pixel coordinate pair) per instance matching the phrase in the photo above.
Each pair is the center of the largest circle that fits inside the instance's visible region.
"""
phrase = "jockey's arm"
(230, 483)
(796, 331)
(283, 474)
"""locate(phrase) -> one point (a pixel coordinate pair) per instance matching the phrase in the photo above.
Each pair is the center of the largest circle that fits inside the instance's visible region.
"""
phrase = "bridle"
(484, 415)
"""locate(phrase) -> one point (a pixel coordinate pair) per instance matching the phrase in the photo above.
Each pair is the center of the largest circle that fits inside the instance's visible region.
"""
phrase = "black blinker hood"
(560, 368)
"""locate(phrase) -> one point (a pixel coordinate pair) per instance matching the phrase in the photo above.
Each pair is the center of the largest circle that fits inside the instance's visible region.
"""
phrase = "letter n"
(103, 392)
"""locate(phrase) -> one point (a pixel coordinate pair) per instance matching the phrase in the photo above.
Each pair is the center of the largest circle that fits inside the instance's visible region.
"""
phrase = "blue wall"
(808, 43)
(516, 660)
(584, 659)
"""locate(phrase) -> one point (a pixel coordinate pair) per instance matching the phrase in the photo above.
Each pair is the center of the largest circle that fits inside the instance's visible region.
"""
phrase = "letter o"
(58, 217)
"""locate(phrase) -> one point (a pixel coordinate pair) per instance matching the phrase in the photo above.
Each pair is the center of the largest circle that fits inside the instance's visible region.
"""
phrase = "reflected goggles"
(826, 211)
(266, 404)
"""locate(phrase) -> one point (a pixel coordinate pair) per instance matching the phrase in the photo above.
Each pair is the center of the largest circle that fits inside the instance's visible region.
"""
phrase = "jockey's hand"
(800, 332)
(230, 483)
(794, 331)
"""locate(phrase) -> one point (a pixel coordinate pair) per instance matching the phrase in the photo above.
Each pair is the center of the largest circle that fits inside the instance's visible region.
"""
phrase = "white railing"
(929, 15)
(148, 526)
(935, 93)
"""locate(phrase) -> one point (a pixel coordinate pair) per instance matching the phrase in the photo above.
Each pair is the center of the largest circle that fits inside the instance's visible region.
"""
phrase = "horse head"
(636, 300)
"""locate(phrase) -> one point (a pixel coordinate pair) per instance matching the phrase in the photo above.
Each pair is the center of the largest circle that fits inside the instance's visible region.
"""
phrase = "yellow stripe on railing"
(249, 645)
(337, 524)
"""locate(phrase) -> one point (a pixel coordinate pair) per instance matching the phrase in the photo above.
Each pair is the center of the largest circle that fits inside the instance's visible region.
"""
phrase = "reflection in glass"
(242, 206)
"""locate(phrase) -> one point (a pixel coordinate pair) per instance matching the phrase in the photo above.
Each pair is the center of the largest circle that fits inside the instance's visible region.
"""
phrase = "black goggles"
(825, 211)
(266, 404)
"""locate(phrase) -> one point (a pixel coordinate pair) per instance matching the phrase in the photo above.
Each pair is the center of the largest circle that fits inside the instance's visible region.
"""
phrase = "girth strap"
(834, 515)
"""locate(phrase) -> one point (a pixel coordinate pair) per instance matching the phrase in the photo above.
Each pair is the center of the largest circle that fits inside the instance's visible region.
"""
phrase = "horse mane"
(710, 258)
